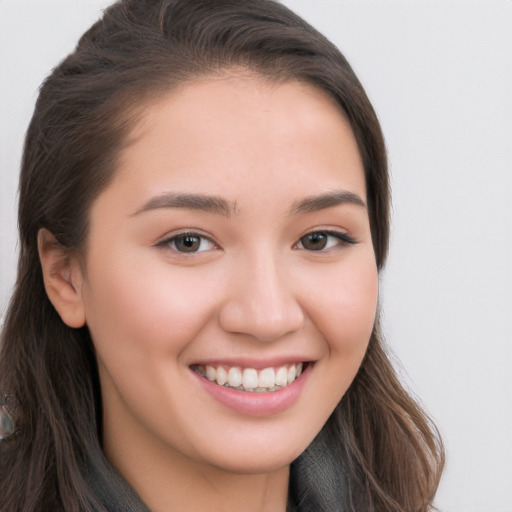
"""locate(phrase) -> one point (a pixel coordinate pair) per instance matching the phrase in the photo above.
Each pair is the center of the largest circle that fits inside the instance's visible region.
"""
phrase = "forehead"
(240, 130)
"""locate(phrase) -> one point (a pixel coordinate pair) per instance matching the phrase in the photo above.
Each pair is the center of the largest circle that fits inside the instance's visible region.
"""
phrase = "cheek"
(357, 306)
(141, 326)
(146, 309)
(345, 316)
(344, 308)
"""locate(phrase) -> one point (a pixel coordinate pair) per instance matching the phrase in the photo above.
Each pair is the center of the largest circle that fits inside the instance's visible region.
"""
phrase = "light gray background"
(439, 74)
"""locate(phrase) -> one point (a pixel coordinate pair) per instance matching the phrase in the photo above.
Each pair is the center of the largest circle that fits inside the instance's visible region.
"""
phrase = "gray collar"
(112, 490)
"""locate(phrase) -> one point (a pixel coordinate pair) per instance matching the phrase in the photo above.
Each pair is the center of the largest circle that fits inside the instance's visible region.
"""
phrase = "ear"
(63, 279)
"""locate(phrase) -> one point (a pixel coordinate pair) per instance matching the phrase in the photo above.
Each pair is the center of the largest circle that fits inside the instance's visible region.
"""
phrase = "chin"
(246, 457)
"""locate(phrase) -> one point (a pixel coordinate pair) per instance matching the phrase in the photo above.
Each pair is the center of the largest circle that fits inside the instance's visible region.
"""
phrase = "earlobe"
(63, 279)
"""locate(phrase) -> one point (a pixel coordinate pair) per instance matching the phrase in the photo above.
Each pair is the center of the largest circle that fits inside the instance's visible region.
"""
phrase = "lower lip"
(255, 403)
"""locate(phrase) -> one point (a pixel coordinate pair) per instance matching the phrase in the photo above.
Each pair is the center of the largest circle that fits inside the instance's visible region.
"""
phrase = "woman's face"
(232, 247)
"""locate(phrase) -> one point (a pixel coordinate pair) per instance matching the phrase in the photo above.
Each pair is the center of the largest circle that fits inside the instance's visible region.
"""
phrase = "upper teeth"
(250, 379)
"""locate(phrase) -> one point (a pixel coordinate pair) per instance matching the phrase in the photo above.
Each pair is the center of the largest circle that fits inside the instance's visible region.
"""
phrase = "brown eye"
(314, 241)
(188, 243)
(324, 240)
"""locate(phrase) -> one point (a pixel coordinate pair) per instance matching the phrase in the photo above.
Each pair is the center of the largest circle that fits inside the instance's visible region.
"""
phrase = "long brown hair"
(378, 451)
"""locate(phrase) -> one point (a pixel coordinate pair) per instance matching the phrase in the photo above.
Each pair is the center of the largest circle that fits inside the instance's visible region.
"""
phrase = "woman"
(203, 214)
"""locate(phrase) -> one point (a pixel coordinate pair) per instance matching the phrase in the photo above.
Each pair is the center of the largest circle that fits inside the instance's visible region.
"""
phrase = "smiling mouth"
(250, 379)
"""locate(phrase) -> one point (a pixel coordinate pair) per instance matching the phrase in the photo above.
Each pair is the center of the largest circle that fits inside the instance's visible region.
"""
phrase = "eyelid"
(343, 237)
(167, 240)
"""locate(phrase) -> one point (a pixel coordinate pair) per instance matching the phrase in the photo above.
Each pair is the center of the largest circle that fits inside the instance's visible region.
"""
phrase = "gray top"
(113, 491)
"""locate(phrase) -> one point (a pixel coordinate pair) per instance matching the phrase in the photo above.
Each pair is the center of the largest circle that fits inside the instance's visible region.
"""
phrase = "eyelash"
(342, 239)
(172, 240)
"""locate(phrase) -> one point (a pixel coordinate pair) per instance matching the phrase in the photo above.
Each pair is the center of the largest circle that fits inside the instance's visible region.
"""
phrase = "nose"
(262, 302)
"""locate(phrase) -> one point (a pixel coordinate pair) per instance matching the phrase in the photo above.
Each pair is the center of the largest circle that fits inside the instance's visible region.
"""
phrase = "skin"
(253, 293)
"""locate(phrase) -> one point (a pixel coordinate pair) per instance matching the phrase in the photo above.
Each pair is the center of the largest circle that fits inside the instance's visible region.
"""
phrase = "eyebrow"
(219, 205)
(206, 203)
(327, 200)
